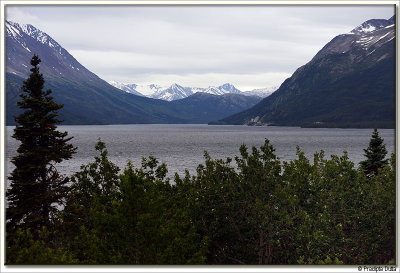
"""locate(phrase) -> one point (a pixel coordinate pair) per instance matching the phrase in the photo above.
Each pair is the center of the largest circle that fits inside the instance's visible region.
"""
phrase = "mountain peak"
(368, 36)
(225, 85)
(228, 88)
(17, 30)
(13, 29)
(372, 25)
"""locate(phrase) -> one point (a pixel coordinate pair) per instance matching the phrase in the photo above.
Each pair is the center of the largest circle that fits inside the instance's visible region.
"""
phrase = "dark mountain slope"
(86, 103)
(204, 107)
(349, 83)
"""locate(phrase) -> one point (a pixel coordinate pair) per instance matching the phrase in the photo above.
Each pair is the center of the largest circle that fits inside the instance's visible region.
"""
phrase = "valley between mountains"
(350, 82)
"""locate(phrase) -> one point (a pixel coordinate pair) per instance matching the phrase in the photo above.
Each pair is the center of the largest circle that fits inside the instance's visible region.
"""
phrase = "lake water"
(182, 146)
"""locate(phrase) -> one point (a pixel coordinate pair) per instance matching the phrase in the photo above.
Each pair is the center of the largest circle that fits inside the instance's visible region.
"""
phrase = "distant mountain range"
(176, 91)
(350, 82)
(88, 99)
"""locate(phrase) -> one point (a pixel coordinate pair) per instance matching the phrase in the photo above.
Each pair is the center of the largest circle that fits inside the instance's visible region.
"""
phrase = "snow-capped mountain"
(148, 90)
(17, 31)
(368, 36)
(372, 25)
(129, 88)
(24, 40)
(261, 92)
(226, 88)
(139, 89)
(173, 92)
(176, 91)
(350, 82)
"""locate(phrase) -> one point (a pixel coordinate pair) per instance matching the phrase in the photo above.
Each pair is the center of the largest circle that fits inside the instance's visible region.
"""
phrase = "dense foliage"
(257, 211)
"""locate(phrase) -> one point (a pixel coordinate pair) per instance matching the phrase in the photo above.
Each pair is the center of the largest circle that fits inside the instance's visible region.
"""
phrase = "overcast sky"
(248, 46)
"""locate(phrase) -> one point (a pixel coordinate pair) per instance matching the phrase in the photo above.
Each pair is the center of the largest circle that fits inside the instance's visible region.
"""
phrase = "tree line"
(250, 209)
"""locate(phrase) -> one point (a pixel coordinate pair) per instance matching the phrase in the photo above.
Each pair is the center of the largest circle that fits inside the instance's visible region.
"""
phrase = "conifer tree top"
(375, 154)
(35, 61)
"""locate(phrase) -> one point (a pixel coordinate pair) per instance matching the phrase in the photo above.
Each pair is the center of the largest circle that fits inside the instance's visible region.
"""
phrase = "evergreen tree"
(36, 188)
(375, 154)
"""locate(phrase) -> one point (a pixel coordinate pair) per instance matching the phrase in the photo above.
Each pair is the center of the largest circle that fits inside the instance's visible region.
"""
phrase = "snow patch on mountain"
(261, 92)
(150, 89)
(129, 88)
(17, 30)
(368, 28)
(12, 30)
(174, 92)
(371, 25)
(366, 41)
